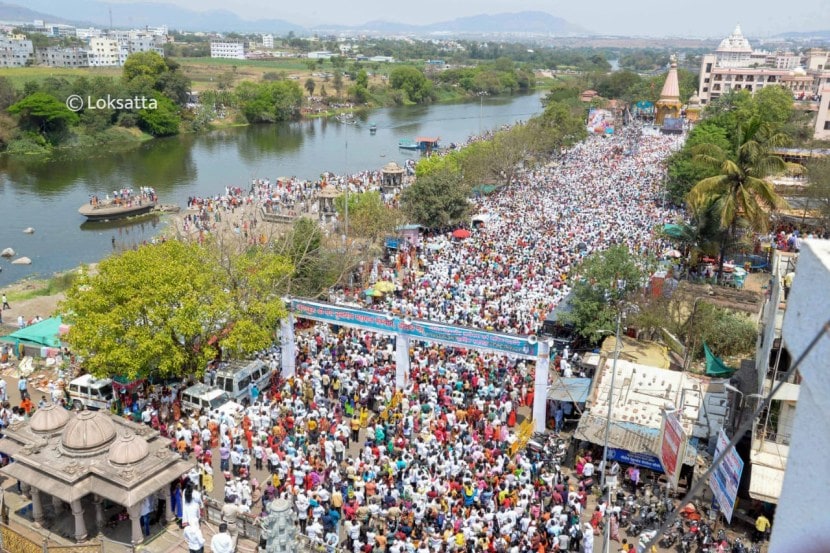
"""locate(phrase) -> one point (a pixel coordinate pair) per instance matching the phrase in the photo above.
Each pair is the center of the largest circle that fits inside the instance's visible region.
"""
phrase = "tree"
(161, 120)
(684, 171)
(413, 82)
(150, 64)
(603, 280)
(8, 93)
(169, 308)
(337, 83)
(437, 199)
(309, 86)
(43, 113)
(740, 189)
(369, 217)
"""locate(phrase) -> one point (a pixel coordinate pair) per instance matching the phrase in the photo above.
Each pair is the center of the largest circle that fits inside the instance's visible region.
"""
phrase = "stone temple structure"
(71, 456)
(278, 528)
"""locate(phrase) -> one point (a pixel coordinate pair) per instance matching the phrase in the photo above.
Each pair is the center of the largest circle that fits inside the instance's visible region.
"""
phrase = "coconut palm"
(740, 191)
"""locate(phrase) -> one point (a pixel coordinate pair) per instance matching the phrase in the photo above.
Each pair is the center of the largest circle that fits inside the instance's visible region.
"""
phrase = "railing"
(769, 435)
(12, 541)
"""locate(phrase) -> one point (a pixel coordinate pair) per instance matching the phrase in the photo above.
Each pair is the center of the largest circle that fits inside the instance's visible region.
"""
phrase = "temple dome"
(127, 449)
(736, 42)
(87, 431)
(49, 418)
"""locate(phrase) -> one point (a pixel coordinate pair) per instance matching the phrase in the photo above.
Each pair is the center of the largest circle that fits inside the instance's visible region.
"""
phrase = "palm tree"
(740, 191)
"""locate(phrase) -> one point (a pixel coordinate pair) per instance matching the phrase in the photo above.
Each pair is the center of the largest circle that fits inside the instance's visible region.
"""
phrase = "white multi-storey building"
(231, 50)
(104, 52)
(267, 41)
(736, 66)
(15, 52)
(823, 117)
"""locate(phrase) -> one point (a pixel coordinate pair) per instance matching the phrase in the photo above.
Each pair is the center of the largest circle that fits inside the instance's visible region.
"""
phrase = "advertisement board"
(726, 476)
(639, 459)
(672, 446)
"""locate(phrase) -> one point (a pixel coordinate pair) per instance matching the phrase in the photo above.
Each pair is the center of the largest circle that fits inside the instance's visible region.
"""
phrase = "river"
(46, 195)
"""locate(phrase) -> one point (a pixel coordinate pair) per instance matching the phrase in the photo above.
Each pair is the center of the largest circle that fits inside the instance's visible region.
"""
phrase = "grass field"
(19, 75)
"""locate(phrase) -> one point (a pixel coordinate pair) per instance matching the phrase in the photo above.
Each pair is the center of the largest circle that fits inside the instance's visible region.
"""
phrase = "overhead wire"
(745, 426)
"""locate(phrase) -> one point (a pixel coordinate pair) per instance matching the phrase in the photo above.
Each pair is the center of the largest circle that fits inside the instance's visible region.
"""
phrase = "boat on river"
(423, 143)
(110, 210)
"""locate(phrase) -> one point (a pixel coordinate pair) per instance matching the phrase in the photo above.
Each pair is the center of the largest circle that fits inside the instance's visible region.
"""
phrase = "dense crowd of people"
(430, 468)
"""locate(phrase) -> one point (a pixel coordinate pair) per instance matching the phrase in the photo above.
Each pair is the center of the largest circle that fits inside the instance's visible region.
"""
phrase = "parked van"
(202, 396)
(237, 377)
(90, 392)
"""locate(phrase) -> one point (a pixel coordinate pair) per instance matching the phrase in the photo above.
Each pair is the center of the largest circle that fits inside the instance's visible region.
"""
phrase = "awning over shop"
(569, 389)
(765, 483)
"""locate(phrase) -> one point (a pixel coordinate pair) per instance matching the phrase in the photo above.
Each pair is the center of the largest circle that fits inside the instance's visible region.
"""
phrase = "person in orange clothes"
(511, 419)
(27, 404)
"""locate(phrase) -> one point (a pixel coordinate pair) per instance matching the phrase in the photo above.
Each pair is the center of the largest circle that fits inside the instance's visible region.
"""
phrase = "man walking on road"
(222, 542)
(22, 385)
(6, 302)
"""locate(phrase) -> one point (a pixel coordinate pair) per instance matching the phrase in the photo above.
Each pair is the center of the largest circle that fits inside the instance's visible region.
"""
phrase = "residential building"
(823, 117)
(799, 523)
(320, 55)
(15, 52)
(382, 59)
(267, 41)
(104, 52)
(55, 56)
(230, 50)
(87, 33)
(736, 66)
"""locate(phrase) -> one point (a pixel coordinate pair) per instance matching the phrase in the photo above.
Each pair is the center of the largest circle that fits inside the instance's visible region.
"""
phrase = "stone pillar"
(99, 512)
(25, 488)
(401, 361)
(57, 505)
(169, 515)
(80, 524)
(135, 523)
(37, 507)
(540, 387)
(289, 354)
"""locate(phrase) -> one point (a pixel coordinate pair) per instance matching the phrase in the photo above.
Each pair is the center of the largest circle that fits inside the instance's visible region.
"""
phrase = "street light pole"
(608, 432)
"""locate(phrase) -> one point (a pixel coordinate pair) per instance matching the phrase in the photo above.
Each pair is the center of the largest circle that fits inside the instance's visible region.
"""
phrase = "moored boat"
(125, 205)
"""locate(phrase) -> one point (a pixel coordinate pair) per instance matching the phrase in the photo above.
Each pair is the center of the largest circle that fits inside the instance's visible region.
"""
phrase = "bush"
(726, 333)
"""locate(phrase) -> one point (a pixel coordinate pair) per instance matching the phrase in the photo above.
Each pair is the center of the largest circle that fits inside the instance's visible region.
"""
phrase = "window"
(827, 125)
(244, 383)
(709, 67)
(225, 383)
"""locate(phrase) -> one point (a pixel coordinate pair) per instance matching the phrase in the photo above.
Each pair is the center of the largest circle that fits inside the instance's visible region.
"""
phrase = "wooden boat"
(373, 128)
(110, 210)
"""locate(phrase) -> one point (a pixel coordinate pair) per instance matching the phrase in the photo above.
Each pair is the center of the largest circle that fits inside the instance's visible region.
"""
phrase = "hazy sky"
(708, 18)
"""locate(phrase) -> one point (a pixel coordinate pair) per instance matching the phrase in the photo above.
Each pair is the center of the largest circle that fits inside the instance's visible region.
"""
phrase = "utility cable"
(745, 426)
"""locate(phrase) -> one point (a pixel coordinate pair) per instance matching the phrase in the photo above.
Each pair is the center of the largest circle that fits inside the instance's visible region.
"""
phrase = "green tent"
(714, 365)
(673, 231)
(44, 333)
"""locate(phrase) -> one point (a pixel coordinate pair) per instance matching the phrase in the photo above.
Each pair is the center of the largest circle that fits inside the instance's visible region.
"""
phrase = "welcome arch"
(405, 330)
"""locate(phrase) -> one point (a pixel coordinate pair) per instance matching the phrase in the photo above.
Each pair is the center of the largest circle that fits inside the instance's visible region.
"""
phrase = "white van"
(210, 399)
(90, 392)
(237, 377)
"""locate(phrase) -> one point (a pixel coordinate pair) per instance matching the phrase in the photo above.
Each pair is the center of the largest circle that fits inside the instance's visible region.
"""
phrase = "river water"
(46, 195)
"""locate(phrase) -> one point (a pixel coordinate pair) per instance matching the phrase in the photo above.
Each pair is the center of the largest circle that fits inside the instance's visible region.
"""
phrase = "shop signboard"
(726, 476)
(639, 459)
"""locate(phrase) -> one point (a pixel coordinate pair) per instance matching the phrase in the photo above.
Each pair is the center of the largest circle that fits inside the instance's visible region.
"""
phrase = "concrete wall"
(801, 523)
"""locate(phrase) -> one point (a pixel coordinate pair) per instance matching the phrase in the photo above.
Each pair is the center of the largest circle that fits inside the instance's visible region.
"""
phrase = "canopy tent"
(714, 365)
(673, 231)
(461, 233)
(44, 333)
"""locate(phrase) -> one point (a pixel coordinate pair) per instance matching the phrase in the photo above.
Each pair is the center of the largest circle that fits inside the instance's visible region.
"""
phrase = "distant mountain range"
(140, 14)
(12, 12)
